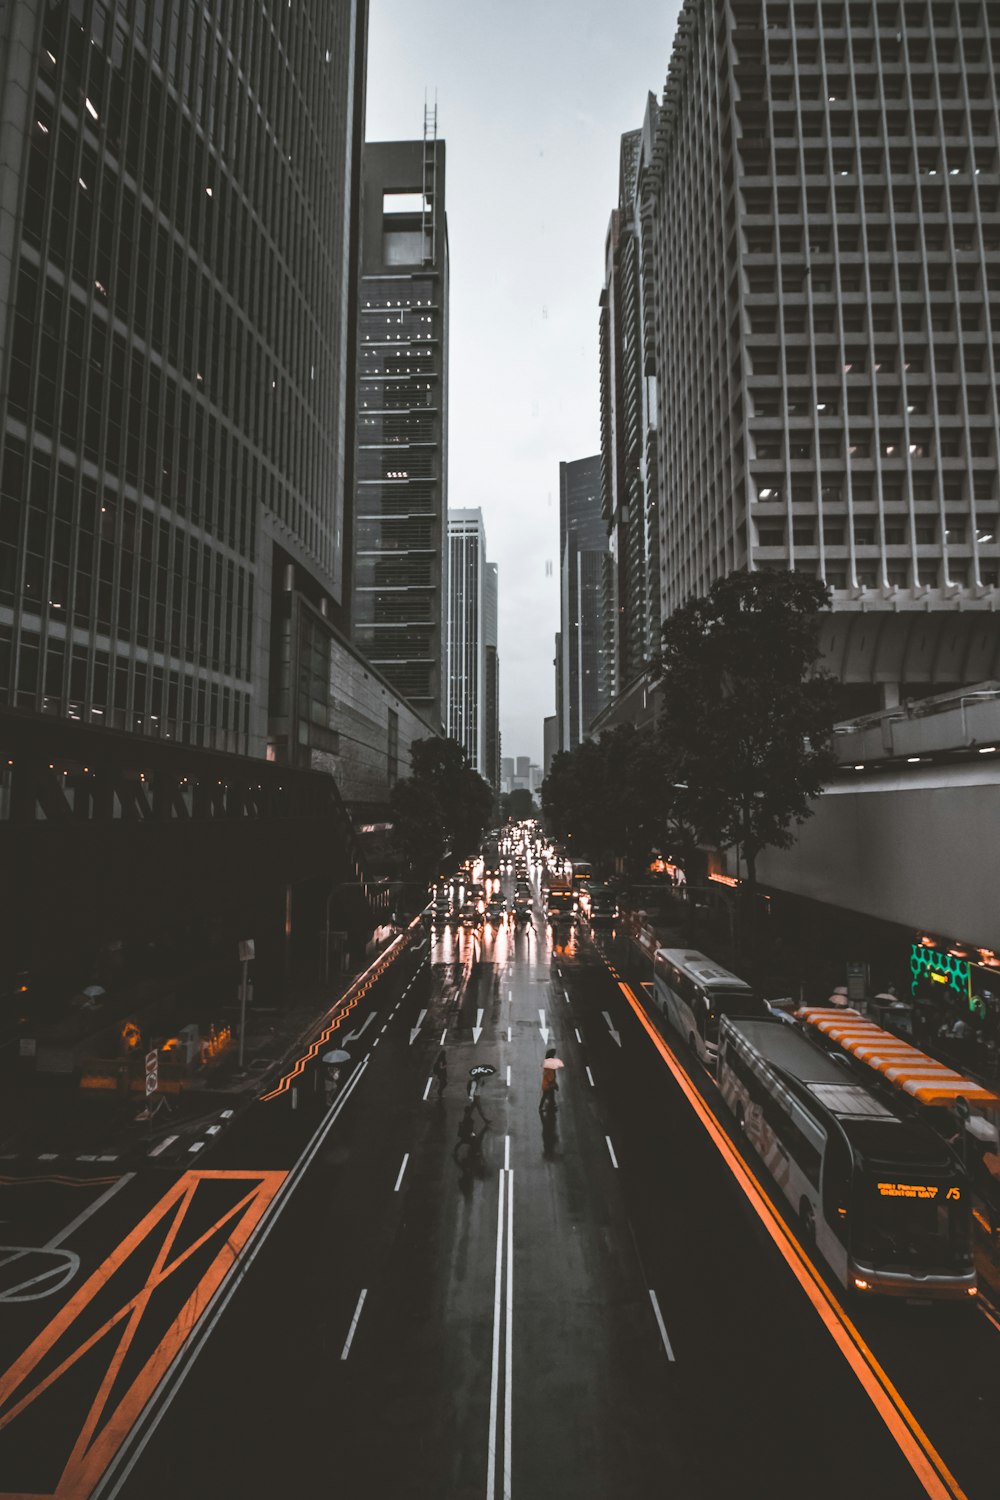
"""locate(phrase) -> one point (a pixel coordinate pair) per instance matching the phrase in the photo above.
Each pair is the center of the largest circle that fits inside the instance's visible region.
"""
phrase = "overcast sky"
(533, 97)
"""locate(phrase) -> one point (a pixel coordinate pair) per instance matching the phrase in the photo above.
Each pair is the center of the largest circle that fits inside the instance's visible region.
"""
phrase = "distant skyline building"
(823, 261)
(401, 498)
(550, 741)
(472, 665)
(584, 582)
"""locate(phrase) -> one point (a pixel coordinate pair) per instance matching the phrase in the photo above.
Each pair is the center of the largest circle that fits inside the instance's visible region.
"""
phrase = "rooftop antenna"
(429, 186)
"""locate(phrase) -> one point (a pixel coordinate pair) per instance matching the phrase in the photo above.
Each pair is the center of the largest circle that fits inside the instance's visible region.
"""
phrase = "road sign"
(246, 950)
(152, 1072)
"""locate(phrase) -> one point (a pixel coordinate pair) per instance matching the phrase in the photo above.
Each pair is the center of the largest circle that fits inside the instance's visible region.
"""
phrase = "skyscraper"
(628, 415)
(401, 492)
(824, 259)
(472, 707)
(491, 678)
(581, 671)
(175, 332)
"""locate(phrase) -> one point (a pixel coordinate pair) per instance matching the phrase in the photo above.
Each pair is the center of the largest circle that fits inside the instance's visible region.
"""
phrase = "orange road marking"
(102, 1432)
(361, 987)
(916, 1447)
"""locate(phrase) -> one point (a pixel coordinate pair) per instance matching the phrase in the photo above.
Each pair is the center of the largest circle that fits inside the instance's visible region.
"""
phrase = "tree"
(611, 796)
(418, 826)
(747, 714)
(464, 801)
(518, 804)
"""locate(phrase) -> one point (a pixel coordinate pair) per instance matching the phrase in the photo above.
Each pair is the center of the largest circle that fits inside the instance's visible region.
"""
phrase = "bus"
(692, 991)
(880, 1195)
(583, 871)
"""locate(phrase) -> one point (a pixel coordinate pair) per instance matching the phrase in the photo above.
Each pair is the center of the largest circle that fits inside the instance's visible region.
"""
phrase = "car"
(440, 909)
(470, 915)
(496, 909)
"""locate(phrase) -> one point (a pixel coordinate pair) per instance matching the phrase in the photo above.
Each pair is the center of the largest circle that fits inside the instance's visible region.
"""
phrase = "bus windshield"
(902, 1221)
(731, 1003)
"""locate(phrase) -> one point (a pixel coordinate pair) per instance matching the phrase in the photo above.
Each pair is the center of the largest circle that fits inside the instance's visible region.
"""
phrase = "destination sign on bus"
(914, 1190)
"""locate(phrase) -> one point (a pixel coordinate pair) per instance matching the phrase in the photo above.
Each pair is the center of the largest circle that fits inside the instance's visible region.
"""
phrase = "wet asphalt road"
(587, 1308)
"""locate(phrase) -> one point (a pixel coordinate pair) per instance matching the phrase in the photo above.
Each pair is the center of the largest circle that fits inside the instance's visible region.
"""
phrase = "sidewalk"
(54, 1124)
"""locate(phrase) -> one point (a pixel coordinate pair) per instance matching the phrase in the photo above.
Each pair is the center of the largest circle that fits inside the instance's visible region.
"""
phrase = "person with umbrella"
(550, 1085)
(331, 1078)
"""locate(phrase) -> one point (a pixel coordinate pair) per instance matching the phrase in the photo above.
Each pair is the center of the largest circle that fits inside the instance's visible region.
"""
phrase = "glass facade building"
(472, 660)
(402, 415)
(175, 325)
(586, 582)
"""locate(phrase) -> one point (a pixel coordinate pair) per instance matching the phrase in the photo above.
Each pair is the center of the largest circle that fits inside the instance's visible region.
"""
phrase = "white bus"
(692, 991)
(879, 1194)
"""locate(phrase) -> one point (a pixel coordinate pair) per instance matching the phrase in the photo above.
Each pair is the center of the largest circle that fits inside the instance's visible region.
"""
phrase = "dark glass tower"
(175, 328)
(585, 582)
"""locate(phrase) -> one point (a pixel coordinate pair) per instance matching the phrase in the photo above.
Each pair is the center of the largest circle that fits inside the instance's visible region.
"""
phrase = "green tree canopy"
(518, 804)
(443, 793)
(747, 715)
(611, 797)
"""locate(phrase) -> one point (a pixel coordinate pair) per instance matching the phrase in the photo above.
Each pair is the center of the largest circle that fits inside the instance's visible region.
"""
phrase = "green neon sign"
(926, 963)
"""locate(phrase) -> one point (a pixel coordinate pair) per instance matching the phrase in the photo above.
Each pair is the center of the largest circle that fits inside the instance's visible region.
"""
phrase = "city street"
(590, 1307)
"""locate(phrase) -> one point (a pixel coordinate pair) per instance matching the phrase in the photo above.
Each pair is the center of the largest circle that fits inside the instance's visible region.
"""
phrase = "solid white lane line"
(611, 1151)
(508, 1357)
(354, 1323)
(590, 1075)
(428, 1088)
(578, 1036)
(403, 1169)
(506, 1153)
(508, 1075)
(491, 1459)
(82, 1218)
(662, 1325)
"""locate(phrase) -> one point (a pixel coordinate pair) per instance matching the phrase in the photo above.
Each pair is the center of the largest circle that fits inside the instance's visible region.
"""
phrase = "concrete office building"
(401, 492)
(584, 582)
(472, 665)
(824, 259)
(628, 422)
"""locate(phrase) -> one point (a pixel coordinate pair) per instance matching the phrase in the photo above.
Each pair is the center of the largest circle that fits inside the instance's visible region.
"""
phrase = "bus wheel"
(808, 1221)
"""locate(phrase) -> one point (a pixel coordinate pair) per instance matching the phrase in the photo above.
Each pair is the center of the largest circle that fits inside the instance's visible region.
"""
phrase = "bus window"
(837, 1186)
